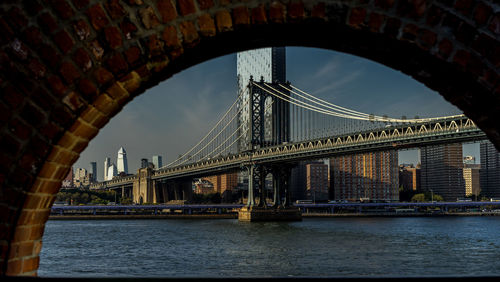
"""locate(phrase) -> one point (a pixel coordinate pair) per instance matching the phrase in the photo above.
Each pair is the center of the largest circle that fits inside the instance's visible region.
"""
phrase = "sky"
(170, 118)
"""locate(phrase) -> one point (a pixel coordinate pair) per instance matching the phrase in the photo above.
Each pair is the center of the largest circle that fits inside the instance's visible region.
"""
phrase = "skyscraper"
(157, 161)
(121, 162)
(268, 63)
(93, 171)
(441, 171)
(373, 176)
(107, 163)
(112, 172)
(490, 170)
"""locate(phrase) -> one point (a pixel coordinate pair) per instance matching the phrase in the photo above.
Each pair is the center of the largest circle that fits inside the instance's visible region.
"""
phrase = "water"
(326, 247)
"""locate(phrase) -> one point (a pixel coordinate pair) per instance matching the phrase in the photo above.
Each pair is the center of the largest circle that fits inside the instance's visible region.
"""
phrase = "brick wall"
(68, 66)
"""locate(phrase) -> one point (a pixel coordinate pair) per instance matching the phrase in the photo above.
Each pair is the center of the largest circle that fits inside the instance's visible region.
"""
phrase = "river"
(319, 247)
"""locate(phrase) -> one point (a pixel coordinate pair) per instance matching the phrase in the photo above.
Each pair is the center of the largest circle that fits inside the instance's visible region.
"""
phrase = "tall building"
(157, 161)
(144, 163)
(490, 170)
(472, 179)
(93, 171)
(317, 181)
(223, 182)
(121, 162)
(268, 63)
(107, 163)
(112, 172)
(409, 177)
(371, 176)
(442, 171)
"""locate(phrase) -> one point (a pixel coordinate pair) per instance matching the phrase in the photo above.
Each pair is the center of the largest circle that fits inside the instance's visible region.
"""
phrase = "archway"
(67, 67)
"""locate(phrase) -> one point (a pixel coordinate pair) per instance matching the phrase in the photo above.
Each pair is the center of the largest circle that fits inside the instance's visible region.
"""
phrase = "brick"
(128, 28)
(80, 4)
(223, 21)
(482, 13)
(445, 47)
(167, 10)
(205, 4)
(19, 49)
(57, 85)
(48, 23)
(16, 18)
(206, 25)
(62, 8)
(82, 59)
(296, 10)
(384, 4)
(409, 32)
(494, 25)
(82, 29)
(186, 7)
(84, 130)
(116, 64)
(73, 101)
(96, 50)
(33, 36)
(19, 129)
(69, 72)
(31, 264)
(427, 39)
(33, 115)
(50, 130)
(97, 17)
(169, 35)
(12, 97)
(87, 88)
(131, 82)
(434, 15)
(276, 12)
(259, 15)
(133, 55)
(64, 41)
(392, 26)
(105, 104)
(50, 55)
(463, 6)
(189, 32)
(241, 16)
(375, 21)
(357, 17)
(115, 9)
(103, 76)
(148, 18)
(154, 45)
(319, 11)
(113, 37)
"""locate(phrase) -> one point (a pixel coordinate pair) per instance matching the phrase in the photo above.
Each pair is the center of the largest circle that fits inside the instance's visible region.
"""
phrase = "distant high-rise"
(472, 179)
(121, 162)
(107, 163)
(157, 161)
(373, 176)
(93, 171)
(144, 163)
(490, 170)
(441, 171)
(112, 172)
(317, 181)
(268, 63)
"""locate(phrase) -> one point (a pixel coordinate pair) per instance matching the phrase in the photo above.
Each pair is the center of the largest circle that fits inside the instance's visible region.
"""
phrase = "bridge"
(285, 125)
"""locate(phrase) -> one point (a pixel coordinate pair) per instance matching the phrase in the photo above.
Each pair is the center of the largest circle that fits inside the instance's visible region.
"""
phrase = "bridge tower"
(278, 129)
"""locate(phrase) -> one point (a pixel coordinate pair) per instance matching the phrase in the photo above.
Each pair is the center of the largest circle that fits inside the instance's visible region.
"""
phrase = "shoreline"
(235, 215)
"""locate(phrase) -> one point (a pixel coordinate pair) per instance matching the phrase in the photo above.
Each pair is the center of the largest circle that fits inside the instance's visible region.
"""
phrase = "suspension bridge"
(270, 127)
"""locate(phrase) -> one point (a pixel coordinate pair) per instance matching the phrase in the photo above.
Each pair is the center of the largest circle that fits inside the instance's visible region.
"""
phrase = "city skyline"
(160, 119)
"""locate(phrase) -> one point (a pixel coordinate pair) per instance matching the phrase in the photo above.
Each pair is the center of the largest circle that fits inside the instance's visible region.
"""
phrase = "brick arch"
(68, 66)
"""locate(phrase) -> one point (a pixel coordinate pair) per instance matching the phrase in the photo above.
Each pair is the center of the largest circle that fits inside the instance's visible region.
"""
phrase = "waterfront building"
(223, 182)
(68, 180)
(472, 179)
(490, 170)
(121, 161)
(80, 177)
(203, 186)
(157, 162)
(409, 177)
(107, 163)
(93, 172)
(371, 176)
(442, 171)
(317, 181)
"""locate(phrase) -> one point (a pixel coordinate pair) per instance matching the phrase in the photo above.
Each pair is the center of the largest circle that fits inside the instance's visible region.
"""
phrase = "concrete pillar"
(251, 199)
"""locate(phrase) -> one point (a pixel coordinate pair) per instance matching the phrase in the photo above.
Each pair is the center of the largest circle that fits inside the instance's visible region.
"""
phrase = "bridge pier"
(262, 212)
